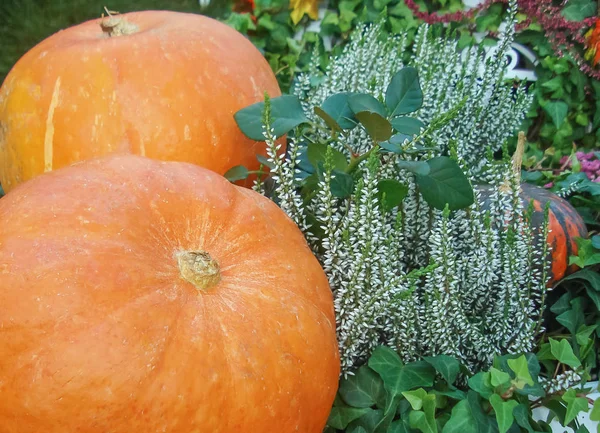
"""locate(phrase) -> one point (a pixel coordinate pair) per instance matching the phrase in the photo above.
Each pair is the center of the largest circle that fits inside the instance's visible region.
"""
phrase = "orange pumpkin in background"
(148, 296)
(154, 83)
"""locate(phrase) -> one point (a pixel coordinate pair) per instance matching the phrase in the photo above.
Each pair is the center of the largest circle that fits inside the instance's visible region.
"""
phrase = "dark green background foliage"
(24, 23)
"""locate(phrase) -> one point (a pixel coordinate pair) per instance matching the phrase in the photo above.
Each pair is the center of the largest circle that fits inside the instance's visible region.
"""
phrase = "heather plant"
(384, 174)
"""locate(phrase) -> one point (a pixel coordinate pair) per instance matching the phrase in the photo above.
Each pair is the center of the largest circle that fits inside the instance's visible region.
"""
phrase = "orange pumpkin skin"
(168, 91)
(100, 332)
(564, 225)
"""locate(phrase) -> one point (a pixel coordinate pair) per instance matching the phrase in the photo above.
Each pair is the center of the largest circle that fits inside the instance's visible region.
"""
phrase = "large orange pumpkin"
(154, 83)
(147, 296)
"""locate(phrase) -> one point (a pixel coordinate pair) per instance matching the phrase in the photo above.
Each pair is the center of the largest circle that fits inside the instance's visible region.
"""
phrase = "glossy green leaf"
(363, 389)
(521, 414)
(595, 413)
(578, 10)
(342, 184)
(447, 366)
(563, 351)
(340, 417)
(404, 94)
(337, 108)
(557, 110)
(239, 172)
(407, 125)
(417, 167)
(461, 420)
(446, 184)
(498, 377)
(329, 121)
(425, 420)
(504, 412)
(286, 114)
(390, 193)
(415, 398)
(377, 126)
(316, 153)
(521, 369)
(575, 405)
(481, 383)
(360, 102)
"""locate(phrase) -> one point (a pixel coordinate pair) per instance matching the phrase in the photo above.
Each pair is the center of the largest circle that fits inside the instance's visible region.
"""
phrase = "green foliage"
(383, 398)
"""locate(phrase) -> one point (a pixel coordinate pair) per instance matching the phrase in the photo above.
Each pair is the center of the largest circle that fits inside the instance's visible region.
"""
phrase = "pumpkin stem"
(199, 268)
(116, 26)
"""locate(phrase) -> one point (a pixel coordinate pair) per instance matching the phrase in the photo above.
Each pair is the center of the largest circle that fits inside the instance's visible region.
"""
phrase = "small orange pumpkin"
(148, 296)
(161, 84)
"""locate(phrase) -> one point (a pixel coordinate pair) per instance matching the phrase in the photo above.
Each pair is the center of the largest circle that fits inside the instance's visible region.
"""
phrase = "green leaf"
(521, 369)
(360, 102)
(485, 423)
(342, 184)
(504, 412)
(340, 417)
(545, 353)
(588, 275)
(368, 421)
(578, 10)
(337, 107)
(461, 420)
(572, 319)
(425, 420)
(574, 405)
(445, 184)
(498, 377)
(446, 365)
(265, 161)
(563, 351)
(363, 389)
(482, 384)
(407, 125)
(415, 398)
(595, 413)
(398, 427)
(557, 110)
(404, 94)
(286, 114)
(329, 121)
(417, 167)
(390, 193)
(316, 153)
(416, 374)
(521, 413)
(385, 361)
(239, 172)
(377, 126)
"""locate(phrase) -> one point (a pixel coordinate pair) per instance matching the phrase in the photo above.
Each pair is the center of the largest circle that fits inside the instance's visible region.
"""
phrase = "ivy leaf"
(504, 412)
(416, 374)
(407, 125)
(367, 422)
(340, 417)
(363, 389)
(377, 126)
(557, 110)
(338, 109)
(485, 423)
(445, 184)
(447, 366)
(415, 398)
(342, 184)
(461, 420)
(363, 102)
(398, 427)
(595, 413)
(385, 361)
(584, 332)
(286, 114)
(404, 94)
(316, 153)
(574, 405)
(521, 414)
(390, 193)
(481, 383)
(521, 369)
(563, 351)
(578, 10)
(239, 172)
(498, 377)
(425, 420)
